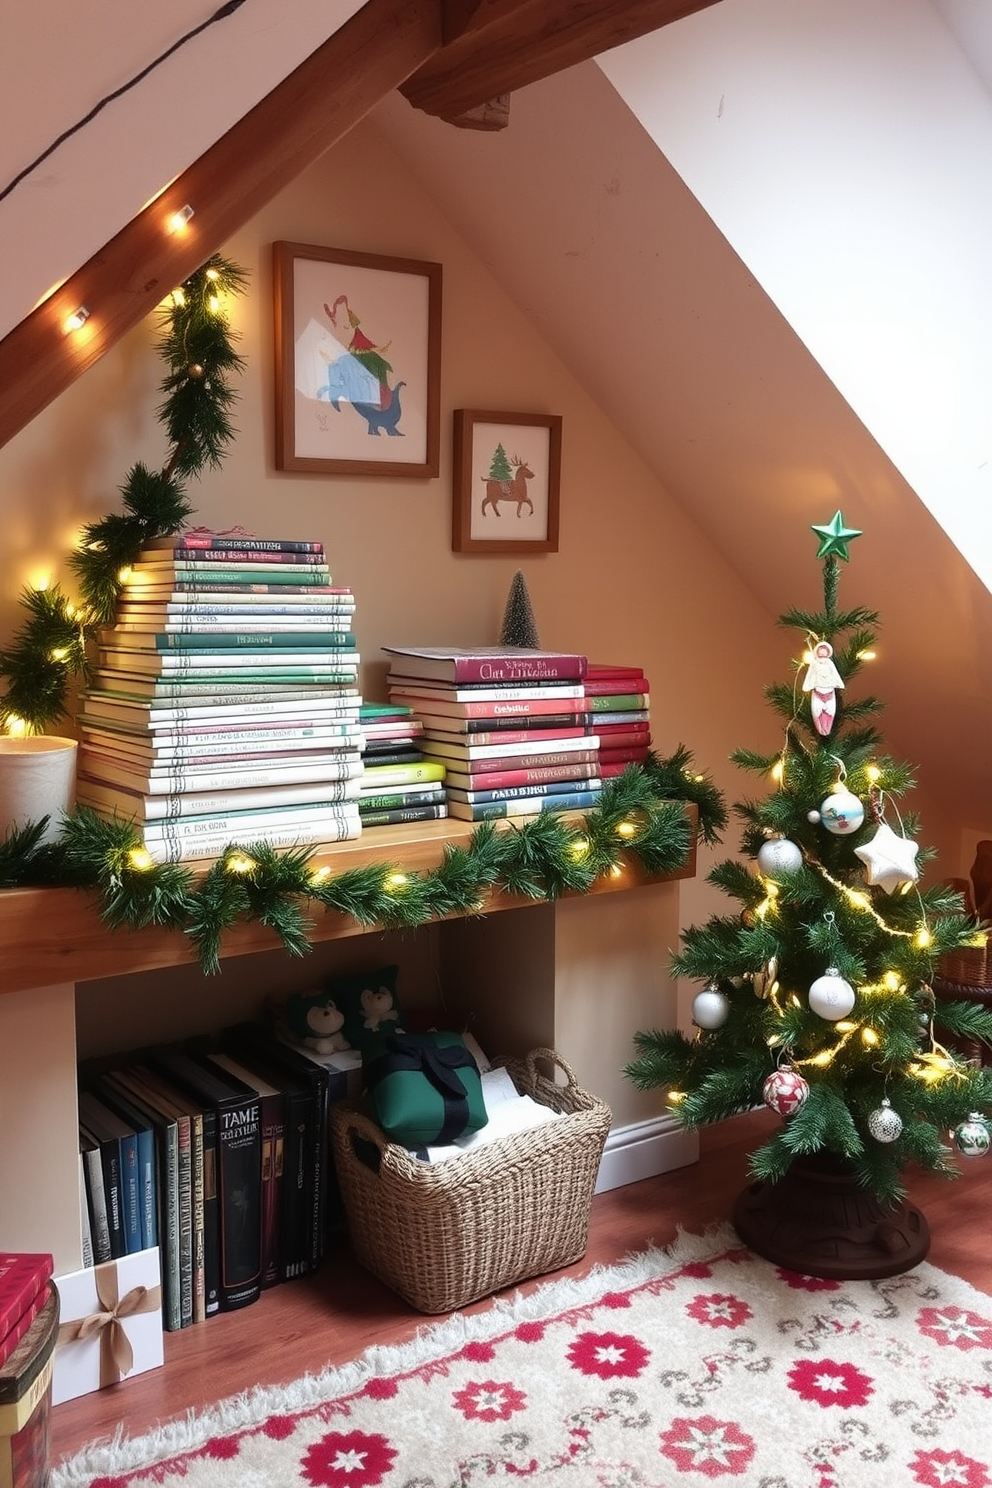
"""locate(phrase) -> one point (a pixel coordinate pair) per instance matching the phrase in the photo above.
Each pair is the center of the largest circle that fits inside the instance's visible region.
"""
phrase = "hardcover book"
(550, 789)
(96, 1196)
(119, 1153)
(523, 806)
(184, 541)
(198, 849)
(141, 1124)
(575, 743)
(256, 1045)
(574, 760)
(391, 817)
(411, 690)
(24, 1275)
(149, 808)
(493, 779)
(336, 640)
(119, 1086)
(237, 1112)
(273, 1118)
(489, 664)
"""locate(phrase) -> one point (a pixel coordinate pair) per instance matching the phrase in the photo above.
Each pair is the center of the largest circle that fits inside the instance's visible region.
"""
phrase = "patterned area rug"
(691, 1367)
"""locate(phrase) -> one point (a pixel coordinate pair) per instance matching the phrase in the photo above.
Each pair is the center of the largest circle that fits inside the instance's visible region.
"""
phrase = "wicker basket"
(444, 1234)
(968, 966)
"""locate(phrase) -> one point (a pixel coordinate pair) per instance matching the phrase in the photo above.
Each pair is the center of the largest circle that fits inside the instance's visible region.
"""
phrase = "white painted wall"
(843, 149)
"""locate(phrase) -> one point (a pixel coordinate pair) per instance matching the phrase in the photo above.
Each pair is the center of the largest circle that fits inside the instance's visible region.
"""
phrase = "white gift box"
(110, 1324)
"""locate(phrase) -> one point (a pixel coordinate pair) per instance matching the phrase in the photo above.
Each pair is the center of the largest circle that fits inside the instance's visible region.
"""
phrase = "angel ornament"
(821, 681)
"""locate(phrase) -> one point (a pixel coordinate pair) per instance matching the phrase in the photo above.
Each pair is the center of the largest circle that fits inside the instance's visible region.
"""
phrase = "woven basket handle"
(553, 1057)
(387, 1153)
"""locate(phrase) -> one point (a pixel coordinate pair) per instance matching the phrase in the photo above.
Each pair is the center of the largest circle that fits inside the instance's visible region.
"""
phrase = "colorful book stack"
(618, 703)
(398, 784)
(225, 704)
(24, 1290)
(510, 725)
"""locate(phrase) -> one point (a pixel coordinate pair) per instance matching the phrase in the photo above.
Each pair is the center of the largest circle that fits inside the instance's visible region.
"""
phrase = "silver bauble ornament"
(842, 813)
(972, 1137)
(785, 1091)
(813, 816)
(778, 856)
(830, 996)
(885, 1124)
(710, 1007)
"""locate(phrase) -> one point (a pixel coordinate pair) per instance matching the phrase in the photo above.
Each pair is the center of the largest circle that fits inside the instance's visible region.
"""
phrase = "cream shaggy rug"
(697, 1366)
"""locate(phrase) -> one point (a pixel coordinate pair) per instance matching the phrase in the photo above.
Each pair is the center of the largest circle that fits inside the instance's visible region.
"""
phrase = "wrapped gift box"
(111, 1325)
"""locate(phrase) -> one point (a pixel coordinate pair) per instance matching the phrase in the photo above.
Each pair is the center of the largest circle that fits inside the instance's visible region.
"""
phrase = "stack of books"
(510, 725)
(225, 704)
(24, 1290)
(618, 698)
(398, 784)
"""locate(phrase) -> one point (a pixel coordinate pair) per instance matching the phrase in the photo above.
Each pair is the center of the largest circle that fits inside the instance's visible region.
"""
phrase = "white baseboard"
(643, 1150)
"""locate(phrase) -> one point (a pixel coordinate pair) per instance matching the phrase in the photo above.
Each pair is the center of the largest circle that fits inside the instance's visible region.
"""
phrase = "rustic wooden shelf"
(53, 936)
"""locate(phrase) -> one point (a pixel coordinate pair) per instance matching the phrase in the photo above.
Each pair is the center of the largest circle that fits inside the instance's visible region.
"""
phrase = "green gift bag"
(424, 1087)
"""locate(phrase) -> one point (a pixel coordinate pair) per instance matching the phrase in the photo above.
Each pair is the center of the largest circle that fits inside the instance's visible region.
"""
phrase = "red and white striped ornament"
(785, 1091)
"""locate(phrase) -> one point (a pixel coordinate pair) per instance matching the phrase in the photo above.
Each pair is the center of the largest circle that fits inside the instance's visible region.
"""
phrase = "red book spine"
(23, 1275)
(23, 1323)
(192, 540)
(624, 756)
(538, 775)
(236, 555)
(622, 738)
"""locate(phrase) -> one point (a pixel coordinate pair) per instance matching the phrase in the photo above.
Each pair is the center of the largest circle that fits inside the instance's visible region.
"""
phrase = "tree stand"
(818, 1220)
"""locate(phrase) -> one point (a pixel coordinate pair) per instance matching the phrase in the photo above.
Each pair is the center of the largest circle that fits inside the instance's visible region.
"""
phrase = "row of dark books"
(518, 731)
(216, 1151)
(225, 703)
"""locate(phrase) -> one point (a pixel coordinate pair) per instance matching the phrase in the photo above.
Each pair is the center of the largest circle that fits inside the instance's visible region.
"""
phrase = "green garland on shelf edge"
(540, 859)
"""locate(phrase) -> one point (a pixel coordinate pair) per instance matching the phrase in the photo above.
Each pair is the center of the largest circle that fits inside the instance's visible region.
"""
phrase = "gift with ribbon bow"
(111, 1324)
(424, 1087)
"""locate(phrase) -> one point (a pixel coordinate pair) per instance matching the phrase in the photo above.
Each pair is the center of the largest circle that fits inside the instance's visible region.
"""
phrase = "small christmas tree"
(817, 995)
(519, 627)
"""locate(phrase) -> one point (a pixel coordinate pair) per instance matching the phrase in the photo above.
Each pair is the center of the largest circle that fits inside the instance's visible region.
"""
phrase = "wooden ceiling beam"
(314, 107)
(493, 47)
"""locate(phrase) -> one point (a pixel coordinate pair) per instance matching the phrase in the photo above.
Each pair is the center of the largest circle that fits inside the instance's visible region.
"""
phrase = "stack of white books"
(225, 704)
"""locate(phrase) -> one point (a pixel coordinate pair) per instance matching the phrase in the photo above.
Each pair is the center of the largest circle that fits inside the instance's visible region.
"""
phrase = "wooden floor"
(332, 1317)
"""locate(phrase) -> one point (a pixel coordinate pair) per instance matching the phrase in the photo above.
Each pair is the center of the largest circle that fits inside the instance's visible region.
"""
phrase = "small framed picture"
(507, 472)
(358, 362)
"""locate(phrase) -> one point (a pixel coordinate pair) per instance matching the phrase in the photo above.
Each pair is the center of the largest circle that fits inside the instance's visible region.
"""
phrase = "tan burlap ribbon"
(116, 1353)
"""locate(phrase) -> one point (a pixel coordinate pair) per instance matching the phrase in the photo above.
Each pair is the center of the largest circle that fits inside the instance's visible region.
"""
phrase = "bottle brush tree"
(817, 993)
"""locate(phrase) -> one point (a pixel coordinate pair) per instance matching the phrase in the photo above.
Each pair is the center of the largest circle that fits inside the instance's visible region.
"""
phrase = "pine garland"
(50, 648)
(541, 859)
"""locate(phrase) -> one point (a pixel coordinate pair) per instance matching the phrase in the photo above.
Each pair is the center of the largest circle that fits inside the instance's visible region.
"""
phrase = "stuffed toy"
(316, 1020)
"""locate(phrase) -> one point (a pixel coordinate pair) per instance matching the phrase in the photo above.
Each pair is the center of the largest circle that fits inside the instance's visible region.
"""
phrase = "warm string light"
(76, 320)
(393, 882)
(920, 937)
(179, 221)
(579, 849)
(318, 876)
(140, 859)
(238, 862)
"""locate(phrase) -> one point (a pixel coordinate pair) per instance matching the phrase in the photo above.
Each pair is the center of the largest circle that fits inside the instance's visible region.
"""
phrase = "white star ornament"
(890, 860)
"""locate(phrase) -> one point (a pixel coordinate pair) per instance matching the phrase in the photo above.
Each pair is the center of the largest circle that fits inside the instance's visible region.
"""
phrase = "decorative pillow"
(424, 1087)
(368, 1004)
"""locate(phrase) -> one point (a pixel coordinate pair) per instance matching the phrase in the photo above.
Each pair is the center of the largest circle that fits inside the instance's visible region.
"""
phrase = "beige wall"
(634, 580)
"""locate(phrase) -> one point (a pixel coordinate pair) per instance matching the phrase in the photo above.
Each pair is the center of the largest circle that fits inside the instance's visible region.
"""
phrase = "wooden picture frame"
(507, 478)
(358, 362)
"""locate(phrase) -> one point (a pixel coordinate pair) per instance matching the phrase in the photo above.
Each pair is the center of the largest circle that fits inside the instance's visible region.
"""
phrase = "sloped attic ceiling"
(590, 230)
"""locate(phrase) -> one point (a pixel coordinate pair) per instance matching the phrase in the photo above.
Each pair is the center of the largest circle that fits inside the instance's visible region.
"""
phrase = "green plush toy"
(425, 1087)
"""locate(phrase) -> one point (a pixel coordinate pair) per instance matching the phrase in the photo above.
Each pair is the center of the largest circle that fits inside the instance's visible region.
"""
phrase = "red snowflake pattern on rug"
(828, 1383)
(347, 1460)
(708, 1446)
(719, 1310)
(489, 1400)
(937, 1469)
(608, 1355)
(954, 1327)
(801, 1283)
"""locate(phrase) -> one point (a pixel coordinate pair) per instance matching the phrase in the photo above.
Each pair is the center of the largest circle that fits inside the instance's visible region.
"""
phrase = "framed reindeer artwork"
(507, 474)
(358, 362)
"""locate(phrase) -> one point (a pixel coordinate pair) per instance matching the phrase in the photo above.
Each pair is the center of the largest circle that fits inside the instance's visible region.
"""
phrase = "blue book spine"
(130, 1194)
(147, 1187)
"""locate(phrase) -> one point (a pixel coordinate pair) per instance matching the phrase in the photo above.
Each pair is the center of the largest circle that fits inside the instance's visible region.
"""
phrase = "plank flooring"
(330, 1318)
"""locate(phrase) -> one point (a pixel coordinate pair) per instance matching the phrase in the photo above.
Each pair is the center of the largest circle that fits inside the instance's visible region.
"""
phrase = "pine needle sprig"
(48, 646)
(675, 778)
